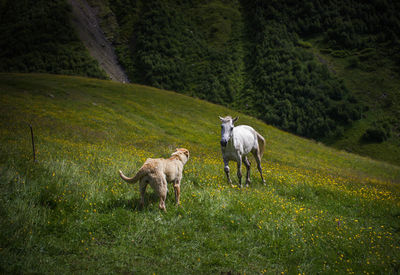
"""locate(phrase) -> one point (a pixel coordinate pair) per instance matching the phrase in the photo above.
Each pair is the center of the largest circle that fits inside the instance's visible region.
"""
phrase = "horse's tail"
(137, 177)
(261, 144)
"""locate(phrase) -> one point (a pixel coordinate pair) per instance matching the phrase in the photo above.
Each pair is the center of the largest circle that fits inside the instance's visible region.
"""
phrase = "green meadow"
(322, 211)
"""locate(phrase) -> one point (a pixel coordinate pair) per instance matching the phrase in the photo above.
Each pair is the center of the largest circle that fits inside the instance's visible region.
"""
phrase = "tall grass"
(322, 210)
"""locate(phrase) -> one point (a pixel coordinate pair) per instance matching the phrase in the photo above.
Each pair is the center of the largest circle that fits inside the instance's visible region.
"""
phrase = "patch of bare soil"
(85, 21)
(324, 61)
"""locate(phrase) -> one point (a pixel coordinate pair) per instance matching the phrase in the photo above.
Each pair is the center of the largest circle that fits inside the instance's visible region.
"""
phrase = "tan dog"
(157, 172)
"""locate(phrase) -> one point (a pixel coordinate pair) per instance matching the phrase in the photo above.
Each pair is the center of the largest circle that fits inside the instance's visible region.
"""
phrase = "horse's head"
(226, 129)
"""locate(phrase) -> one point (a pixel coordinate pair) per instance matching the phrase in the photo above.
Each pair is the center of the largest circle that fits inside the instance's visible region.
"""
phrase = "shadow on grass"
(150, 201)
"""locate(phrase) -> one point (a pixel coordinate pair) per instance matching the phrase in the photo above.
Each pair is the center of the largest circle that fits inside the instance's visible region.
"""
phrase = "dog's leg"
(162, 192)
(177, 188)
(143, 185)
(247, 164)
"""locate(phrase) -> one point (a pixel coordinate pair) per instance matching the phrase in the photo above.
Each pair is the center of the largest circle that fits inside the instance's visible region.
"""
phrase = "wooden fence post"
(33, 144)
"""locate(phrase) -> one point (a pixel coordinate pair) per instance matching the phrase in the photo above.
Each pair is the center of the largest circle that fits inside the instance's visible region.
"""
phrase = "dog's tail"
(261, 144)
(137, 177)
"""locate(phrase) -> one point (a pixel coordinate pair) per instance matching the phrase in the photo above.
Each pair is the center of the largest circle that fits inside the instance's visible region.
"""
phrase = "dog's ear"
(183, 150)
(186, 152)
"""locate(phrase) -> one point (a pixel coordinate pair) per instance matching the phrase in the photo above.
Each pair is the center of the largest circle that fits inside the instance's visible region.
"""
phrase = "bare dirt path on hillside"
(86, 24)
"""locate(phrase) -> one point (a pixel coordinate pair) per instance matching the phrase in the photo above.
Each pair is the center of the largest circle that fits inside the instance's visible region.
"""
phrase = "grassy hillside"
(371, 75)
(322, 211)
(255, 57)
(233, 53)
(325, 70)
(358, 43)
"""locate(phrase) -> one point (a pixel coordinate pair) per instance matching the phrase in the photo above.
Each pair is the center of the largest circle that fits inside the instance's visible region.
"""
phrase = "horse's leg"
(247, 164)
(257, 156)
(239, 172)
(226, 168)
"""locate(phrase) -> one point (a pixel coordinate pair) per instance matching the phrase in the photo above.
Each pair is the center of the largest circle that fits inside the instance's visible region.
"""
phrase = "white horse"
(237, 143)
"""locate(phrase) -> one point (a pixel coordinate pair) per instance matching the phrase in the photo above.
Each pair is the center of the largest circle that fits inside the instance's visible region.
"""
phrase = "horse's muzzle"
(223, 143)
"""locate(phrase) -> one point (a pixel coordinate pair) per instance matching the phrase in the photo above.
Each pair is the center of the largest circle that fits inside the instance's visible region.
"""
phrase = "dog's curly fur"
(158, 172)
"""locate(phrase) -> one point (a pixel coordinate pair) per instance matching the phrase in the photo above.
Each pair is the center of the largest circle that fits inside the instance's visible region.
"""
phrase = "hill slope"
(325, 70)
(322, 210)
(372, 77)
(254, 57)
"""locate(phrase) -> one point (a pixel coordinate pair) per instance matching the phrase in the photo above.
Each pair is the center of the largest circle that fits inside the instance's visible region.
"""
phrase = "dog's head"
(182, 151)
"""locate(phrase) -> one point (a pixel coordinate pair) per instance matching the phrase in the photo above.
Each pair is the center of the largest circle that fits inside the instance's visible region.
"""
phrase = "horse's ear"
(235, 119)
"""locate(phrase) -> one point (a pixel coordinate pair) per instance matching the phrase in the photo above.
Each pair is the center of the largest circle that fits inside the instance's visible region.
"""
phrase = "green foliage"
(379, 132)
(375, 135)
(253, 64)
(354, 62)
(189, 48)
(344, 24)
(304, 44)
(292, 90)
(36, 36)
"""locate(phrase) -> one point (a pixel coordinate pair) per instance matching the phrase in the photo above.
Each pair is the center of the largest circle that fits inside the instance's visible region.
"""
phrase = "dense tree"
(36, 36)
